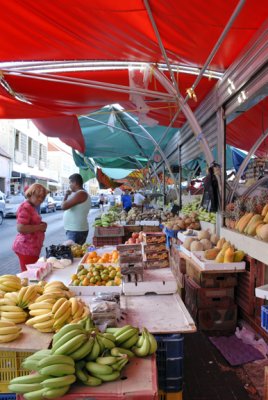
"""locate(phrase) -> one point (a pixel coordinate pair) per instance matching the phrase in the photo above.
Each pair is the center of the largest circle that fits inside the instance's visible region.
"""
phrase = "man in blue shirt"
(126, 201)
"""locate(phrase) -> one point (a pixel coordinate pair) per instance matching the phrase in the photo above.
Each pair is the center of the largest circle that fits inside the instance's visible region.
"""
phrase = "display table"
(161, 314)
(30, 340)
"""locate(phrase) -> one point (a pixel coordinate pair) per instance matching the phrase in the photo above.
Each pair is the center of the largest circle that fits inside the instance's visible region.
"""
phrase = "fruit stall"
(89, 328)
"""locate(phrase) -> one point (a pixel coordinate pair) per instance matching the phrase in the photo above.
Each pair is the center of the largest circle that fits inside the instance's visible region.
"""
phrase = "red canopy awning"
(65, 30)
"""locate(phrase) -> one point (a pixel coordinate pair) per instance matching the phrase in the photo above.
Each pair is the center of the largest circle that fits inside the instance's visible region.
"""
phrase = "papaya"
(211, 254)
(251, 226)
(220, 243)
(220, 257)
(266, 218)
(264, 210)
(239, 255)
(229, 255)
(244, 221)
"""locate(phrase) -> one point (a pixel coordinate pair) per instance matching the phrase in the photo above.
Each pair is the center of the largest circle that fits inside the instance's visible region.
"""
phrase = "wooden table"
(30, 340)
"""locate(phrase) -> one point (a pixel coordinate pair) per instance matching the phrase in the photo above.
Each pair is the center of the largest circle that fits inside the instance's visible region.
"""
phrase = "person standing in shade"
(138, 200)
(102, 201)
(126, 201)
(29, 241)
(76, 205)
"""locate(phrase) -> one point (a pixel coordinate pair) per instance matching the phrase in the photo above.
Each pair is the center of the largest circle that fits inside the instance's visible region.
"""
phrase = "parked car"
(12, 204)
(95, 201)
(2, 207)
(58, 201)
(49, 204)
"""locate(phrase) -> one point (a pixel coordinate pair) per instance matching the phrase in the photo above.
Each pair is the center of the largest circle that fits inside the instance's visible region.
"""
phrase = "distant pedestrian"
(126, 201)
(138, 199)
(29, 241)
(76, 204)
(102, 201)
(112, 199)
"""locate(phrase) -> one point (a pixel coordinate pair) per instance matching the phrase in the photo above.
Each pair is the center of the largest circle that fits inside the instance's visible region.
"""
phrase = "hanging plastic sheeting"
(140, 79)
(238, 157)
(104, 181)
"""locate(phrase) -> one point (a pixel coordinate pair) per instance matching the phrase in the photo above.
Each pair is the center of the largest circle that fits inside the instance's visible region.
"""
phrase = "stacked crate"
(108, 236)
(130, 259)
(210, 300)
(155, 254)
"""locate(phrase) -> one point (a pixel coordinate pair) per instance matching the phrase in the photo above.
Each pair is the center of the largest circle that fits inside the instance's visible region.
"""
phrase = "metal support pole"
(221, 133)
(245, 163)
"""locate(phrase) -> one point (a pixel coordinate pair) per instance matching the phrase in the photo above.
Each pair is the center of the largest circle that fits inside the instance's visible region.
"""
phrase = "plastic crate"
(11, 367)
(104, 241)
(264, 317)
(7, 396)
(169, 358)
(109, 231)
(169, 396)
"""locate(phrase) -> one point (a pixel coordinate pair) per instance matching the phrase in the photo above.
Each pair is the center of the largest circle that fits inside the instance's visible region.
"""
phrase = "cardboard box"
(210, 279)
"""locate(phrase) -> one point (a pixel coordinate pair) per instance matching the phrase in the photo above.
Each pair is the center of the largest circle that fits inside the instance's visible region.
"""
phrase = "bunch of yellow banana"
(61, 311)
(58, 289)
(78, 309)
(12, 313)
(27, 295)
(8, 331)
(72, 340)
(10, 298)
(43, 322)
(10, 283)
(146, 344)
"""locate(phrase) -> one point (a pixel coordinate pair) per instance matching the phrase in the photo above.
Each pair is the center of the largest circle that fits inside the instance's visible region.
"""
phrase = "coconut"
(206, 244)
(187, 242)
(203, 235)
(196, 246)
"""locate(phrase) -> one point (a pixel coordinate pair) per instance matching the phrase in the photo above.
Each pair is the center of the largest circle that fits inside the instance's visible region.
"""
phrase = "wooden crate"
(207, 297)
(210, 279)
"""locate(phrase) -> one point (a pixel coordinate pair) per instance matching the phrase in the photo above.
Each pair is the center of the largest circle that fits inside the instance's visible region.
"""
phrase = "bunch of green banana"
(146, 344)
(108, 368)
(106, 341)
(56, 366)
(27, 384)
(126, 336)
(72, 340)
(84, 377)
(31, 363)
(37, 386)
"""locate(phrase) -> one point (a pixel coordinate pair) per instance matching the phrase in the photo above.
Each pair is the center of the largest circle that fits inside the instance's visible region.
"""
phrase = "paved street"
(55, 235)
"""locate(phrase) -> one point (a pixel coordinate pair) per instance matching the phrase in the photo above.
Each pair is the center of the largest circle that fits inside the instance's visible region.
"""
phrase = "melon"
(196, 246)
(203, 235)
(206, 244)
(187, 243)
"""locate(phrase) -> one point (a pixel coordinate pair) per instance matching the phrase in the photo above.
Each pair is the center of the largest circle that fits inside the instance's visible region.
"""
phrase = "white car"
(12, 204)
(58, 200)
(2, 207)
